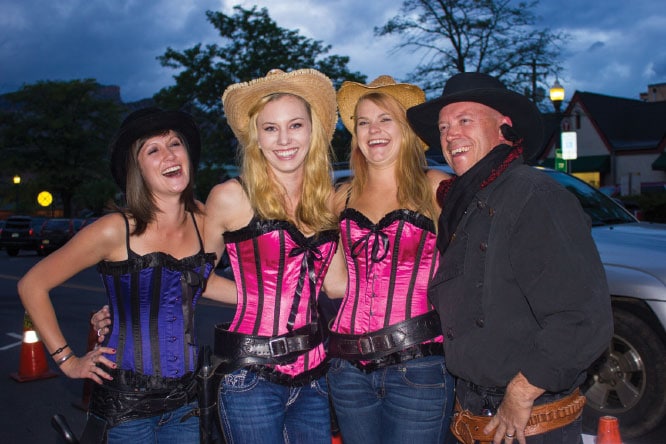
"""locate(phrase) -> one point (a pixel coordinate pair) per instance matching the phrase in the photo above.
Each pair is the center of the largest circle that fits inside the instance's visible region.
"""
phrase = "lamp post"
(17, 182)
(557, 97)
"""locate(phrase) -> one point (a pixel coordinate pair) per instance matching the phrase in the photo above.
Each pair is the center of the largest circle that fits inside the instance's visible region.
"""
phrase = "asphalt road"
(26, 408)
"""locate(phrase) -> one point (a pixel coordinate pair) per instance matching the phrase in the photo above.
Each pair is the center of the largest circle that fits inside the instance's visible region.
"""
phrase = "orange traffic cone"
(608, 431)
(33, 365)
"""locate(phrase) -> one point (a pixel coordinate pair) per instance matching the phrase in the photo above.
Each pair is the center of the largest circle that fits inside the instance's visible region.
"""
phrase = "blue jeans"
(254, 410)
(410, 402)
(161, 429)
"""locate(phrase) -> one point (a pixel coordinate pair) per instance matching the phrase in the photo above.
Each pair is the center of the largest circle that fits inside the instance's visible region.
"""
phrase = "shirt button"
(449, 333)
(480, 323)
(483, 246)
(480, 204)
(172, 339)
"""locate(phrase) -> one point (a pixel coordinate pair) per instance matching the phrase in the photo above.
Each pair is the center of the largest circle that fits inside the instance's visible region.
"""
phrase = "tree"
(57, 133)
(489, 36)
(252, 44)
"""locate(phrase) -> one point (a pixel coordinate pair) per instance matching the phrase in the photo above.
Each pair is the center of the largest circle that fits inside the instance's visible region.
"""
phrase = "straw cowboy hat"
(487, 90)
(146, 122)
(308, 84)
(350, 92)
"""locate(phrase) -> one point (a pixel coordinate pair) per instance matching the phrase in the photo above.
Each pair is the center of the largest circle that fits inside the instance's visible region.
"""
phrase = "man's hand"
(101, 322)
(513, 413)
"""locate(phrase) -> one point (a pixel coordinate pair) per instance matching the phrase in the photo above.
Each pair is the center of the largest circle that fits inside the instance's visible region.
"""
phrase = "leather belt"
(118, 406)
(240, 350)
(468, 428)
(414, 352)
(377, 344)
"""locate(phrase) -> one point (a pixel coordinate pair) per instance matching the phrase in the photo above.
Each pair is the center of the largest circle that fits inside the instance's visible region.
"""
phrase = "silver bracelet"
(64, 358)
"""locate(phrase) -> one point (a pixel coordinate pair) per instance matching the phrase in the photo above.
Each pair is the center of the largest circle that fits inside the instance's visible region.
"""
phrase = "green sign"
(560, 164)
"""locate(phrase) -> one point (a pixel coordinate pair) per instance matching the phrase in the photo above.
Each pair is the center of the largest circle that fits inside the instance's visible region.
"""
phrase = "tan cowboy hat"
(308, 84)
(486, 90)
(350, 92)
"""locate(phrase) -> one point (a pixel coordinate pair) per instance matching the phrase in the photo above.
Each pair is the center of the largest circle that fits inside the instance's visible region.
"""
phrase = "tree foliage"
(56, 134)
(490, 36)
(251, 45)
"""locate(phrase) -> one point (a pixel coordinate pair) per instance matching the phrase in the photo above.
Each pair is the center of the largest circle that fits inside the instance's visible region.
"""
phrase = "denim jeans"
(410, 402)
(254, 410)
(160, 429)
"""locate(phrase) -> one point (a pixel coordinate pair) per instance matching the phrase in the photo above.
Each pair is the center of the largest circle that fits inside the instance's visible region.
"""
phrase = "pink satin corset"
(279, 273)
(389, 265)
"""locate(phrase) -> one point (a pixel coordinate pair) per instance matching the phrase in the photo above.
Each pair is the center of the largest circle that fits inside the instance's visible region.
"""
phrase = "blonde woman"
(277, 225)
(388, 380)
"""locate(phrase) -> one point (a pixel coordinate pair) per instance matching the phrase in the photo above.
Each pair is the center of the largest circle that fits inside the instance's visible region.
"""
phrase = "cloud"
(615, 46)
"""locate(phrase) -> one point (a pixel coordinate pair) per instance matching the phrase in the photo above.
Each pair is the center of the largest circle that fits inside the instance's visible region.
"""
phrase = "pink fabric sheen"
(371, 309)
(267, 278)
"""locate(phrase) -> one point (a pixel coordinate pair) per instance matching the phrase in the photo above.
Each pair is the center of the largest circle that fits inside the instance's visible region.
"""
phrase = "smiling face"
(284, 129)
(378, 133)
(468, 131)
(164, 163)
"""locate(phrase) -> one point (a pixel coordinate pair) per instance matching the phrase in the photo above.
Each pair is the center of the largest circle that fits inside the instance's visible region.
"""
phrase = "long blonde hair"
(266, 195)
(414, 189)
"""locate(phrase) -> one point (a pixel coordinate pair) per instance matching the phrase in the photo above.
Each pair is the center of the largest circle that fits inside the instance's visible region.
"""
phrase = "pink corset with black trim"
(279, 273)
(390, 265)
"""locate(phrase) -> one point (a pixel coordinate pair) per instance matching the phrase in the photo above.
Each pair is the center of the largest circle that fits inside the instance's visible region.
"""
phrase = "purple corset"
(152, 300)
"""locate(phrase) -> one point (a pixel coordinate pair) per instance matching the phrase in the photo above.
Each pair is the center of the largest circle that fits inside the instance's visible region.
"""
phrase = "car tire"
(12, 251)
(629, 380)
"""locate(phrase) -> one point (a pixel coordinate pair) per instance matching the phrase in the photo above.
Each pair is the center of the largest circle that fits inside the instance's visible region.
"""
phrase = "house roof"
(625, 124)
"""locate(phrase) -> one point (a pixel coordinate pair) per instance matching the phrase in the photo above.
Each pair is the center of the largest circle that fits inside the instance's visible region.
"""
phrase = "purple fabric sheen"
(132, 335)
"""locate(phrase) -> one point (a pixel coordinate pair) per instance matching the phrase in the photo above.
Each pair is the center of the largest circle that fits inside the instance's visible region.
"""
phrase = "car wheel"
(629, 380)
(12, 251)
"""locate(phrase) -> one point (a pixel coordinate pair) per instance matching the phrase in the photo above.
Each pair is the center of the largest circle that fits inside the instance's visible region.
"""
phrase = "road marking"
(15, 344)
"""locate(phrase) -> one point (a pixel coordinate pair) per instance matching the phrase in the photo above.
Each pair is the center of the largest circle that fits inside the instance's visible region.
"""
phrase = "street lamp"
(17, 182)
(557, 97)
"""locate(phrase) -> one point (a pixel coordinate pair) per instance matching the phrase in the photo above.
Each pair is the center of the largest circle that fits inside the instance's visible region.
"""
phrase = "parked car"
(55, 233)
(629, 380)
(20, 233)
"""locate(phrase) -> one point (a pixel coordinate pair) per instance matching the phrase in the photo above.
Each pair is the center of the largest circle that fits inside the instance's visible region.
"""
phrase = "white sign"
(569, 145)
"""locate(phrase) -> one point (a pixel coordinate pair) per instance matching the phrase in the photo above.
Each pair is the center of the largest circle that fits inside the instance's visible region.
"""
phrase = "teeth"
(459, 150)
(286, 153)
(377, 142)
(173, 169)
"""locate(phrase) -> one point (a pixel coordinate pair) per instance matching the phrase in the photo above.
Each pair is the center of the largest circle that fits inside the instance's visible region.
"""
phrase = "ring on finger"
(509, 435)
(99, 331)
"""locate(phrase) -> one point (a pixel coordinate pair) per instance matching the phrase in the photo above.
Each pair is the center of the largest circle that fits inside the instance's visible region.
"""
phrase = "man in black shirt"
(520, 289)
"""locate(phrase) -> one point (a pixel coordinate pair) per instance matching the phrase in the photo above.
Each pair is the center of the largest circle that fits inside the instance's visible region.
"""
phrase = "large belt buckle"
(278, 347)
(359, 344)
(374, 343)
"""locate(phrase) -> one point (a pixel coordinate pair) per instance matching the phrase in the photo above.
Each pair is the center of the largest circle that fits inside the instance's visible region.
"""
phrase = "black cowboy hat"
(487, 90)
(144, 123)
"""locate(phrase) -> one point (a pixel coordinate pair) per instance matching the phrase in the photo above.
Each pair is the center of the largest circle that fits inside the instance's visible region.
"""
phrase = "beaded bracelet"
(60, 350)
(63, 359)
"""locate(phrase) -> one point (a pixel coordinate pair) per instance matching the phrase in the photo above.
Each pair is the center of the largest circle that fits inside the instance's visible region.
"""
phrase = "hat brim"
(146, 125)
(350, 92)
(309, 84)
(524, 115)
